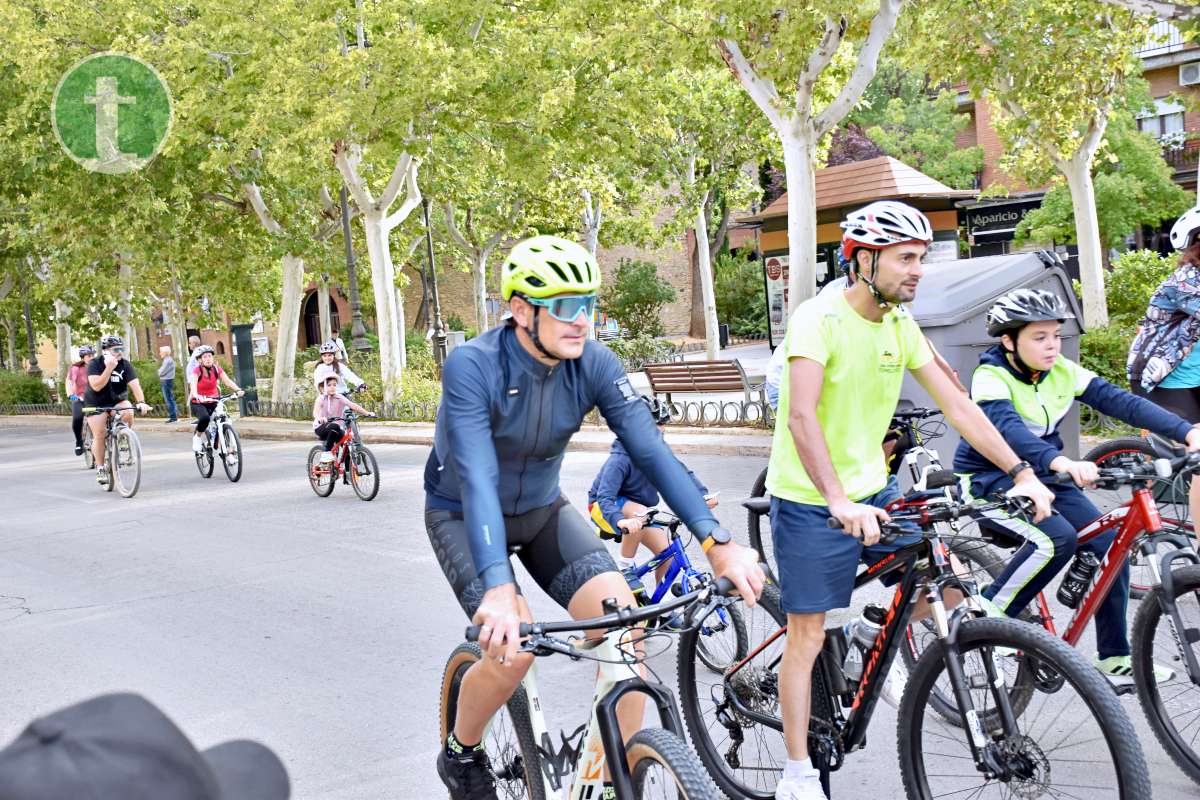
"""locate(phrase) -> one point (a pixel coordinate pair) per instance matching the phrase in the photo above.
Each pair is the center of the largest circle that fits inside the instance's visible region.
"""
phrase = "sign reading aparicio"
(999, 217)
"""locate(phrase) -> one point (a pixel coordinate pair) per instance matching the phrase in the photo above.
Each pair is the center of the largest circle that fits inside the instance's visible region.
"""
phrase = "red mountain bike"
(1167, 626)
(352, 462)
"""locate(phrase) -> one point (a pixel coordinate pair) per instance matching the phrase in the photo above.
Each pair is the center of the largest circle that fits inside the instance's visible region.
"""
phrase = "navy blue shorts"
(817, 564)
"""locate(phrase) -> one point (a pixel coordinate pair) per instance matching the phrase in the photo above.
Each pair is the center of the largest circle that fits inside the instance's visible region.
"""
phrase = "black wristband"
(1018, 469)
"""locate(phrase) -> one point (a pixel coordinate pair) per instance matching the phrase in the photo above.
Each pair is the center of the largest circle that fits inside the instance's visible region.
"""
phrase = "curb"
(754, 444)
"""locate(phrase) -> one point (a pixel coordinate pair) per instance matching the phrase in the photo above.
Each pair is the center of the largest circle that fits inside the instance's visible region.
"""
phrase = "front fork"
(947, 627)
(1183, 635)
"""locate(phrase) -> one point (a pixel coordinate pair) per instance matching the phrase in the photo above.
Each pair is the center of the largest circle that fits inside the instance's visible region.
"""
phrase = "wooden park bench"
(699, 377)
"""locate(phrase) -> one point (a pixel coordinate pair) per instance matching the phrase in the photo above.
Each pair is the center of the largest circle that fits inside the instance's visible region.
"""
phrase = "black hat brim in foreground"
(247, 770)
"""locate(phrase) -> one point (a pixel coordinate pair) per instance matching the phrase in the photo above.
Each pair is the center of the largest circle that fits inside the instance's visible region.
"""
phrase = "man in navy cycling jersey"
(511, 399)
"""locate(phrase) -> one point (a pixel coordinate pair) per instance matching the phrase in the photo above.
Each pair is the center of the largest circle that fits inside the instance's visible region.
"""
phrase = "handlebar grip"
(724, 586)
(472, 633)
(887, 531)
(833, 522)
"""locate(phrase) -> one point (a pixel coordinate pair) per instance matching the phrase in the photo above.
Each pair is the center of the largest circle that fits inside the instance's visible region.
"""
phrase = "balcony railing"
(1164, 38)
(1183, 156)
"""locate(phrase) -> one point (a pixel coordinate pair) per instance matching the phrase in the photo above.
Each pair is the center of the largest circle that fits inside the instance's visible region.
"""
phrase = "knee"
(511, 672)
(804, 642)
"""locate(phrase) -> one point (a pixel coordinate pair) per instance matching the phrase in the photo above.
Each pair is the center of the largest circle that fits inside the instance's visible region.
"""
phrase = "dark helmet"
(1020, 307)
(660, 411)
(86, 350)
(111, 341)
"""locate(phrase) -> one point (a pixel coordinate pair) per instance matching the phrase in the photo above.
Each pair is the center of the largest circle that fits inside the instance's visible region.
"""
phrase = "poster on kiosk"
(775, 278)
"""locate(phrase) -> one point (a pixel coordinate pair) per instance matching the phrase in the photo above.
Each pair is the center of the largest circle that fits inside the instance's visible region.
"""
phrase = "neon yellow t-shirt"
(864, 366)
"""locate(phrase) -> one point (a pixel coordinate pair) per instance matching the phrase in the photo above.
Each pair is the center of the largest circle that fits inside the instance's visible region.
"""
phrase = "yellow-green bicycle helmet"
(544, 266)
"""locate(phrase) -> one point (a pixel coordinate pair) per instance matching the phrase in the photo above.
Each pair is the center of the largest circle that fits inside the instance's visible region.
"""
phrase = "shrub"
(741, 301)
(636, 296)
(639, 350)
(1105, 350)
(18, 387)
(1133, 279)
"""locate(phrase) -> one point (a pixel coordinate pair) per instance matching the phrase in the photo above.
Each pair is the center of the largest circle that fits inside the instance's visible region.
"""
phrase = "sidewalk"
(703, 441)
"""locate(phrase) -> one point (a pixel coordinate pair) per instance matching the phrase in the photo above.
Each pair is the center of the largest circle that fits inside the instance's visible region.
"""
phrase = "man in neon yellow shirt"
(846, 357)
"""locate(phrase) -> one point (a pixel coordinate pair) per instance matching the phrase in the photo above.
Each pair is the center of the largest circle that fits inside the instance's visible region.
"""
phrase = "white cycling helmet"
(329, 347)
(883, 224)
(1185, 229)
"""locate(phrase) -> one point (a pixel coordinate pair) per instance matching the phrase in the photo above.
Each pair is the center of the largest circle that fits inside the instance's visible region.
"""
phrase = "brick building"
(1172, 68)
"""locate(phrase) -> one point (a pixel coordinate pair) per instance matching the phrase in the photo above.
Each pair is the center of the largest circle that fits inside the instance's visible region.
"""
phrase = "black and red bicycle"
(1042, 723)
(1166, 629)
(352, 462)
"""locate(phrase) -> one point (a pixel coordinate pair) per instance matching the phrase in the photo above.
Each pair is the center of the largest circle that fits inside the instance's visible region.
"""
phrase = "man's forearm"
(810, 444)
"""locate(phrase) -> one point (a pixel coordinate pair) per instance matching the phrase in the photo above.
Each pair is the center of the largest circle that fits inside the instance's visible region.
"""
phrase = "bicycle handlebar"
(931, 514)
(1164, 468)
(623, 618)
(916, 413)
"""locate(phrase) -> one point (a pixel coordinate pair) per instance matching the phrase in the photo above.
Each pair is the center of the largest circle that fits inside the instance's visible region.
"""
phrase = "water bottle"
(860, 637)
(1077, 579)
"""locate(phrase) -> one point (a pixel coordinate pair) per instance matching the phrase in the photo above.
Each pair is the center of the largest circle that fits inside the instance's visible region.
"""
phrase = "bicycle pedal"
(1124, 689)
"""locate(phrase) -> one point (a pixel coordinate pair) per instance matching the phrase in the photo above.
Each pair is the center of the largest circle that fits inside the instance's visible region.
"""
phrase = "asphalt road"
(256, 609)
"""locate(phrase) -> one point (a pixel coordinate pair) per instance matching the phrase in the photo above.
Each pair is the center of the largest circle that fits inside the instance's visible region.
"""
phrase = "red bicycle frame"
(338, 465)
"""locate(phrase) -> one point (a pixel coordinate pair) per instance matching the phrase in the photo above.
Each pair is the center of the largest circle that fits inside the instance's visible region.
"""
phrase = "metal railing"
(1183, 156)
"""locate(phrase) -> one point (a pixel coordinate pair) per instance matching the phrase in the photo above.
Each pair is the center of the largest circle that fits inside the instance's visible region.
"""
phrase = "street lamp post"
(439, 330)
(358, 333)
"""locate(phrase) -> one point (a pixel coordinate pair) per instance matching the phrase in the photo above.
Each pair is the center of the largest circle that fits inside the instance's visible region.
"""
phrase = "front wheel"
(509, 741)
(320, 476)
(231, 453)
(1072, 740)
(364, 473)
(723, 640)
(126, 463)
(662, 766)
(1173, 705)
(758, 526)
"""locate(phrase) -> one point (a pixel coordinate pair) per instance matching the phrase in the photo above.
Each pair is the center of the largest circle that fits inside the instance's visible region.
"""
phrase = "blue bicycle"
(723, 640)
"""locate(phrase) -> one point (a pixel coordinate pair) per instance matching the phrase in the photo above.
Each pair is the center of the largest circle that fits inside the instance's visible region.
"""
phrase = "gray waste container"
(951, 306)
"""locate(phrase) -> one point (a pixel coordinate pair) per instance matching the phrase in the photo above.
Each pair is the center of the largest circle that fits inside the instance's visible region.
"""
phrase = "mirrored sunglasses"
(567, 309)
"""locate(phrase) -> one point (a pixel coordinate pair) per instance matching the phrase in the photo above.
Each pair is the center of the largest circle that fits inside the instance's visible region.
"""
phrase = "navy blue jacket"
(1027, 408)
(503, 426)
(620, 477)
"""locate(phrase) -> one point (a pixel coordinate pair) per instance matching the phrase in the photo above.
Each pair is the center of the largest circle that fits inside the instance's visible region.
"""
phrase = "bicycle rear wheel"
(1074, 741)
(89, 460)
(509, 737)
(320, 477)
(231, 453)
(364, 473)
(662, 766)
(1173, 706)
(744, 757)
(127, 462)
(204, 460)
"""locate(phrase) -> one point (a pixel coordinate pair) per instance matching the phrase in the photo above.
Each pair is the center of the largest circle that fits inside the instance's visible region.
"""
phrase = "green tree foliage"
(635, 297)
(741, 299)
(17, 387)
(1134, 187)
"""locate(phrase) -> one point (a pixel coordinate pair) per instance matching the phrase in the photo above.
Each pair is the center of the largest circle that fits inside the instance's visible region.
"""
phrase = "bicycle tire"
(760, 534)
(705, 642)
(527, 761)
(694, 700)
(654, 746)
(1145, 626)
(89, 460)
(127, 484)
(981, 558)
(110, 459)
(204, 460)
(322, 489)
(1139, 578)
(1132, 778)
(230, 443)
(368, 486)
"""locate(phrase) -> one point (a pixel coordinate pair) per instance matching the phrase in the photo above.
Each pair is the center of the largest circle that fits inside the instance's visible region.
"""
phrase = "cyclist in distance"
(76, 387)
(1027, 387)
(846, 356)
(332, 364)
(204, 389)
(327, 411)
(110, 380)
(512, 398)
(621, 495)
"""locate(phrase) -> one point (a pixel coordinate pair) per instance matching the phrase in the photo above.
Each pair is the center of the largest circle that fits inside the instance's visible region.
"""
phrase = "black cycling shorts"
(1184, 402)
(555, 543)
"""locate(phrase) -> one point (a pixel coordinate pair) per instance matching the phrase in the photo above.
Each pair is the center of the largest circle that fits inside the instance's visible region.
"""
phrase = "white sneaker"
(894, 683)
(197, 443)
(326, 457)
(805, 788)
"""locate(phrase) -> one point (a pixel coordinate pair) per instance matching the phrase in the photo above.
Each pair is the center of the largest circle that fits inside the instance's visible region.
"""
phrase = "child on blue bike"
(621, 495)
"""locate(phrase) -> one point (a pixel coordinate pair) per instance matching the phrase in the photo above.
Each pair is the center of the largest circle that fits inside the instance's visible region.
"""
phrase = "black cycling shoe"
(469, 776)
(78, 449)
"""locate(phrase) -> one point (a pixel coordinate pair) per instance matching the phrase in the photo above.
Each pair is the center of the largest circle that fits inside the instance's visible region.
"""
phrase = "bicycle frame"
(851, 729)
(600, 740)
(1137, 517)
(349, 438)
